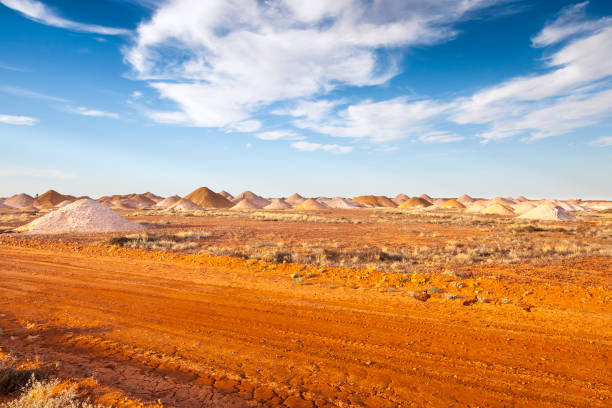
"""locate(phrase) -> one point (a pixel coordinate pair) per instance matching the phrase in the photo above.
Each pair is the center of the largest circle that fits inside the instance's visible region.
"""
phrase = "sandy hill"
(295, 199)
(64, 203)
(184, 204)
(19, 201)
(154, 197)
(477, 206)
(341, 203)
(521, 198)
(374, 201)
(168, 201)
(426, 197)
(206, 198)
(246, 204)
(253, 198)
(548, 211)
(3, 206)
(128, 204)
(523, 206)
(400, 198)
(80, 216)
(50, 199)
(277, 204)
(498, 209)
(311, 204)
(226, 195)
(142, 198)
(503, 200)
(415, 202)
(452, 203)
(466, 200)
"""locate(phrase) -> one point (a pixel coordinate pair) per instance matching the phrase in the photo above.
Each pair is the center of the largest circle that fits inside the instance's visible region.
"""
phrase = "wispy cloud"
(13, 68)
(37, 173)
(81, 110)
(602, 141)
(312, 147)
(440, 137)
(18, 120)
(39, 12)
(26, 93)
(279, 135)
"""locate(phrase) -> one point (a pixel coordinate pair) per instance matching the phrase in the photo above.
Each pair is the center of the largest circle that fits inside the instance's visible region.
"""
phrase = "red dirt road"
(203, 335)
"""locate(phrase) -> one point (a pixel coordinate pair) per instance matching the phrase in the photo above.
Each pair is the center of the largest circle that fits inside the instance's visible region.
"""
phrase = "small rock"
(458, 284)
(450, 296)
(421, 296)
(527, 293)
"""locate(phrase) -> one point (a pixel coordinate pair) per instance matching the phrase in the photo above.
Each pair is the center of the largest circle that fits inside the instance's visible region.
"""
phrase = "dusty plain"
(344, 308)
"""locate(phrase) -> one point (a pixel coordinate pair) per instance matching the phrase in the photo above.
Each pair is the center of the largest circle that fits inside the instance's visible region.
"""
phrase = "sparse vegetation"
(181, 241)
(49, 394)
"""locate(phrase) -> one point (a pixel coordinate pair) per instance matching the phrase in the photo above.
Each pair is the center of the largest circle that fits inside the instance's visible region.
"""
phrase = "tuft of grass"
(49, 394)
(13, 379)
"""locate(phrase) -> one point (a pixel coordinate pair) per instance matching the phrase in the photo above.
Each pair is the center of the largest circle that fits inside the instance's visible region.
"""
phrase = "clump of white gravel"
(84, 215)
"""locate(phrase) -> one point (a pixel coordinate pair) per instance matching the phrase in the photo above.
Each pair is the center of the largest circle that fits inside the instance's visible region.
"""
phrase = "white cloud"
(18, 120)
(37, 173)
(382, 121)
(311, 110)
(81, 110)
(136, 95)
(228, 59)
(246, 126)
(602, 141)
(570, 22)
(279, 135)
(312, 147)
(39, 12)
(575, 92)
(440, 137)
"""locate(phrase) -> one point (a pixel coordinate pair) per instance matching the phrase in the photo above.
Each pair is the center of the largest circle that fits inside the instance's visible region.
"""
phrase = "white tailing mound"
(477, 206)
(184, 204)
(548, 211)
(19, 201)
(247, 204)
(277, 204)
(168, 201)
(339, 202)
(84, 215)
(64, 203)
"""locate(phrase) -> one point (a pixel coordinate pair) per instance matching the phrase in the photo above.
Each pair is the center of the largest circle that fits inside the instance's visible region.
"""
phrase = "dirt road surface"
(203, 336)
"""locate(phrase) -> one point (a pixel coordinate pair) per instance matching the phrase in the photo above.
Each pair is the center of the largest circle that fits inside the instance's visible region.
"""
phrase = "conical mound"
(400, 198)
(84, 215)
(295, 199)
(153, 197)
(128, 204)
(503, 200)
(521, 198)
(466, 200)
(374, 201)
(477, 206)
(523, 206)
(259, 201)
(498, 209)
(168, 201)
(50, 199)
(206, 198)
(19, 201)
(311, 204)
(415, 202)
(184, 204)
(452, 203)
(64, 203)
(277, 204)
(426, 197)
(142, 199)
(246, 204)
(548, 211)
(341, 203)
(226, 195)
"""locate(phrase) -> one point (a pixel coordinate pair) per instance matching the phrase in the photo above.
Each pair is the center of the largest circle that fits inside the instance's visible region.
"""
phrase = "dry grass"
(182, 241)
(13, 379)
(49, 394)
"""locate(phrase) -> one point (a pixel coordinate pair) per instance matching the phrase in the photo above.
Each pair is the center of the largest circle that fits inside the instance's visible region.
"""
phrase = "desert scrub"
(185, 241)
(13, 379)
(49, 394)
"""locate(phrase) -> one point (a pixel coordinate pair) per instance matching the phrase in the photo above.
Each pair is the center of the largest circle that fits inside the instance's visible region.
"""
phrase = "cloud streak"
(81, 110)
(18, 120)
(39, 12)
(313, 147)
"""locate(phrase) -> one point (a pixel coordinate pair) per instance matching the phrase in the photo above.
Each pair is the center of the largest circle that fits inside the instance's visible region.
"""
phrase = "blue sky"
(485, 97)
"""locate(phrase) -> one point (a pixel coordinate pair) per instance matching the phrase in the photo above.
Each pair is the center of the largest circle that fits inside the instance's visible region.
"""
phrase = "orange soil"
(198, 331)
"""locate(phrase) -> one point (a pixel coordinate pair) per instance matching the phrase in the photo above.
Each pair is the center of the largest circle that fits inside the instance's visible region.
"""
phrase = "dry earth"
(194, 330)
